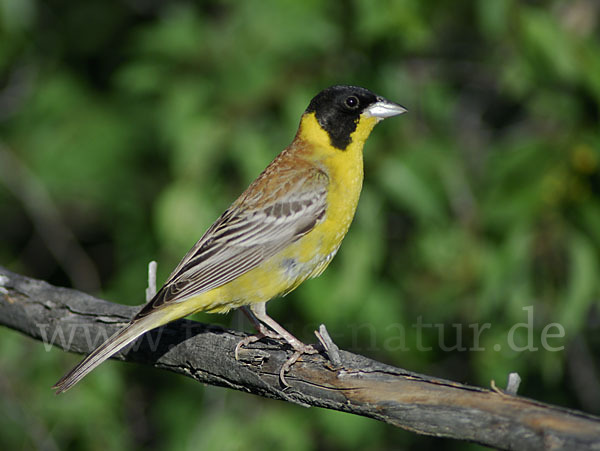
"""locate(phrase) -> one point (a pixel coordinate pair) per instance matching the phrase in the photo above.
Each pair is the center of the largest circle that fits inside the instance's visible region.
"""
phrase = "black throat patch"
(338, 111)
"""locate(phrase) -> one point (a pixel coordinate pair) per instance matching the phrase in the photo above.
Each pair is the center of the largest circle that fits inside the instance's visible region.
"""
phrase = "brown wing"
(269, 216)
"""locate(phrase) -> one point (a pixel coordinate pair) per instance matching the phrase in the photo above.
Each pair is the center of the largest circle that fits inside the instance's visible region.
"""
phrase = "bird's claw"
(299, 350)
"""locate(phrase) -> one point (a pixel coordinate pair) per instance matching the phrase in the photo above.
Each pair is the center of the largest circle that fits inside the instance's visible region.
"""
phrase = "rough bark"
(78, 322)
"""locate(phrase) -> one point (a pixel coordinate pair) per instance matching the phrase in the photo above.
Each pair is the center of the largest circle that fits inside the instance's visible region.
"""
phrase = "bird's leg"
(258, 315)
(260, 327)
(260, 312)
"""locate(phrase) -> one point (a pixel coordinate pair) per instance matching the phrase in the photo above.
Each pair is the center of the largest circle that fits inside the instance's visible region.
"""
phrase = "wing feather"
(246, 235)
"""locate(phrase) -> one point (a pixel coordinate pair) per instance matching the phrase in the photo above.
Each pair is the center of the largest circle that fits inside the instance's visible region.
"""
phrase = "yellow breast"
(345, 171)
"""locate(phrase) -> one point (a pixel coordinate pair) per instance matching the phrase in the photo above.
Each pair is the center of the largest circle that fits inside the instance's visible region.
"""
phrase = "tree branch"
(78, 322)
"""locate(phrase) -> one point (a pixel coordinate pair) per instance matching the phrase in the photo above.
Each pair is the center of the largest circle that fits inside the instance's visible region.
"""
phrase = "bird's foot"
(268, 327)
(262, 333)
(299, 349)
(298, 352)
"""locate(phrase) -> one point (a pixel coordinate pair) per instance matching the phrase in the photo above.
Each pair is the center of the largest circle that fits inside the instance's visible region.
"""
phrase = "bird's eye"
(352, 102)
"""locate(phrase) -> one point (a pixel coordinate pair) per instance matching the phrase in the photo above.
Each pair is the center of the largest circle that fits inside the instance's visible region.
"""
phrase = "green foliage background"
(127, 127)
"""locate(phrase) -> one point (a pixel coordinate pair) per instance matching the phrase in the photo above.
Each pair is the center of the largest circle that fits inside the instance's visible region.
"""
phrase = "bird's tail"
(111, 346)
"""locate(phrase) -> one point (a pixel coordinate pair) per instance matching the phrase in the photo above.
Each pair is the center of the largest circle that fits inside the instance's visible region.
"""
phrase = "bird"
(282, 230)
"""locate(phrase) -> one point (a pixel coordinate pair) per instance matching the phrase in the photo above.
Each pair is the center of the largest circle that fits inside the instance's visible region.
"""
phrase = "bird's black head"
(338, 111)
